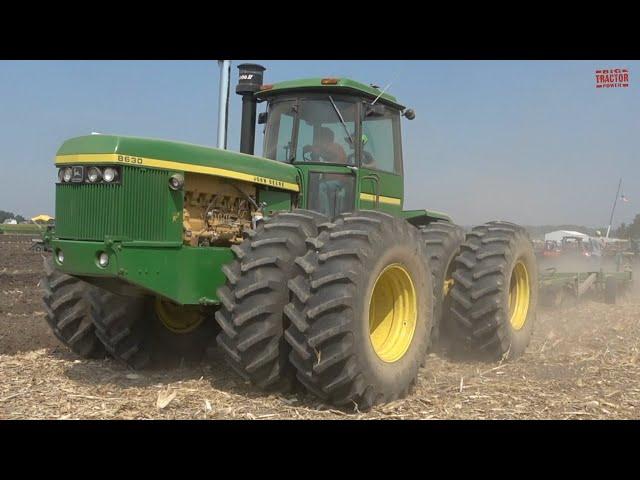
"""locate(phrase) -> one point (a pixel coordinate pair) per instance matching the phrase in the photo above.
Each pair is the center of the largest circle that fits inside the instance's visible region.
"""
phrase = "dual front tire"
(69, 305)
(93, 323)
(149, 332)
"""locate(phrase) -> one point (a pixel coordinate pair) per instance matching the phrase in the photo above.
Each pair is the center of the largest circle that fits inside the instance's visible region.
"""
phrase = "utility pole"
(223, 102)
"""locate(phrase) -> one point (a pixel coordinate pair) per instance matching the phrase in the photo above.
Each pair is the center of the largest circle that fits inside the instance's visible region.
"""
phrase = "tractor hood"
(167, 155)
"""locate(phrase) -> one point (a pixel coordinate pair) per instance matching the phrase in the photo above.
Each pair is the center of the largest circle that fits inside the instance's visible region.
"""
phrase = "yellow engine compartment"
(216, 210)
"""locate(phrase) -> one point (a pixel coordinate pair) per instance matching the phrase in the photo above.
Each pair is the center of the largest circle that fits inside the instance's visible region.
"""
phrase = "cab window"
(322, 135)
(380, 142)
(279, 132)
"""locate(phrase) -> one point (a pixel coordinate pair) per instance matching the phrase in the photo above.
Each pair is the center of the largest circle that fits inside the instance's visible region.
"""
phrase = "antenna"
(613, 209)
(381, 93)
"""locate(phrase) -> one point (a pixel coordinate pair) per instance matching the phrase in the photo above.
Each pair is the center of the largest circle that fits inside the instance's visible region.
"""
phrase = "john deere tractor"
(301, 266)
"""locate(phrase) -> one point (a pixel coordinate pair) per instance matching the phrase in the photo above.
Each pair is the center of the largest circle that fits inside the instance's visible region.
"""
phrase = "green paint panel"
(141, 207)
(179, 152)
(389, 185)
(344, 85)
(183, 274)
(276, 200)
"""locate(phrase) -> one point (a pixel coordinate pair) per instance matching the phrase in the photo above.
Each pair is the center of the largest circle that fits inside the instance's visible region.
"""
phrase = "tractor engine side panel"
(216, 211)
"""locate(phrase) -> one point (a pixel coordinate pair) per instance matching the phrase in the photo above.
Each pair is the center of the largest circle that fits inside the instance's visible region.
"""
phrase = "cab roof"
(345, 85)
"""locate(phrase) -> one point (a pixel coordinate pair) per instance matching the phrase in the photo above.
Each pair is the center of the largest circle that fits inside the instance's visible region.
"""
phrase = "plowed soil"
(584, 362)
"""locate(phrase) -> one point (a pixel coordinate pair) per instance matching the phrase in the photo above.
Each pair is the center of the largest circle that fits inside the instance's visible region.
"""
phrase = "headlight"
(176, 182)
(110, 174)
(94, 174)
(67, 174)
(103, 259)
(60, 256)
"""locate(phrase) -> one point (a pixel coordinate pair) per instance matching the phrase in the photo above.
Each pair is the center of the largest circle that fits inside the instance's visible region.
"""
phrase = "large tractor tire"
(495, 291)
(361, 310)
(68, 306)
(253, 299)
(442, 240)
(144, 333)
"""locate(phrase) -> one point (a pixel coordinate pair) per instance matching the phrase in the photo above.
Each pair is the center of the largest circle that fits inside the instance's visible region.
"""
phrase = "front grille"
(141, 207)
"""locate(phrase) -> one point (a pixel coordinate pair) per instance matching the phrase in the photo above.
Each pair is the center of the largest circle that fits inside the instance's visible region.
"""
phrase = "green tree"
(634, 228)
(622, 231)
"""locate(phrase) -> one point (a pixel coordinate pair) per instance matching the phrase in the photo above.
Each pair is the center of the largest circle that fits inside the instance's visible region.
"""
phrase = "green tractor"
(301, 265)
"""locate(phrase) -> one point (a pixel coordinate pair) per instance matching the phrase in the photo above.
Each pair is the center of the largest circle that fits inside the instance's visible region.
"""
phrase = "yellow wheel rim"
(519, 296)
(178, 319)
(448, 285)
(393, 313)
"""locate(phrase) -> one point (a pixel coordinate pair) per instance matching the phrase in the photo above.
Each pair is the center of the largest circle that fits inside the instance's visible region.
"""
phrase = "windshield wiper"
(335, 107)
(287, 148)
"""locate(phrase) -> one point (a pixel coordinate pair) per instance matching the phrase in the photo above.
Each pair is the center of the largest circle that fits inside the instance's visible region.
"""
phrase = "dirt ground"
(584, 362)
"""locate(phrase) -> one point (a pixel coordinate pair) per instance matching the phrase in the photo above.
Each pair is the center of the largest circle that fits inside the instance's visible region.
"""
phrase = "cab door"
(380, 181)
(331, 186)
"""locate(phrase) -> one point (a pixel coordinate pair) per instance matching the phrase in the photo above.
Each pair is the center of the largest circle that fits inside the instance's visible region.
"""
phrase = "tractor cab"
(344, 138)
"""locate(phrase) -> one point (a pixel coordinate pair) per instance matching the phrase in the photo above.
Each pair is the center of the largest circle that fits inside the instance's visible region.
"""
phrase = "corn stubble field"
(584, 362)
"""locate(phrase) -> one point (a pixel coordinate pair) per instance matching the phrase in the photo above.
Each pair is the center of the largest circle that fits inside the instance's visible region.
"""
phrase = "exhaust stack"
(249, 82)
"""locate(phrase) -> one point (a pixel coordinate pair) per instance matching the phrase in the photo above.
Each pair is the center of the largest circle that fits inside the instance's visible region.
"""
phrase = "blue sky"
(528, 141)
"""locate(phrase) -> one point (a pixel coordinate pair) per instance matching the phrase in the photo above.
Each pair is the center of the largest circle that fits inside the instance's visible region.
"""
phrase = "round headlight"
(103, 259)
(110, 174)
(94, 174)
(60, 256)
(67, 174)
(176, 182)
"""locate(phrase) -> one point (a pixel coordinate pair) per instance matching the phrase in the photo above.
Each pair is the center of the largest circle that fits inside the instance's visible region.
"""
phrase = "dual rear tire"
(442, 241)
(495, 292)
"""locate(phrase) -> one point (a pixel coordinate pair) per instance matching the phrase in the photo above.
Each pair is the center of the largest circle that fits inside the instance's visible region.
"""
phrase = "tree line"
(6, 215)
(628, 231)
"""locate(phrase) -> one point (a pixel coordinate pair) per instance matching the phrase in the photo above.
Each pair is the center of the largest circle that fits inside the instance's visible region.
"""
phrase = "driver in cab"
(332, 188)
(325, 148)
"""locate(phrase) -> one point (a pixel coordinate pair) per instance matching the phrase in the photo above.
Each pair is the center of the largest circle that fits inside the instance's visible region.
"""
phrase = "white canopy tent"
(558, 235)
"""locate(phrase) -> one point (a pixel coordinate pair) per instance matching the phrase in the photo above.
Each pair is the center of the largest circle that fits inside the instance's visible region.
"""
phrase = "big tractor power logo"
(612, 78)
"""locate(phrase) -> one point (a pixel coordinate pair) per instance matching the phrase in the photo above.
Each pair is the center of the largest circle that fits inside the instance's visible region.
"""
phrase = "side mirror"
(409, 114)
(375, 111)
(262, 118)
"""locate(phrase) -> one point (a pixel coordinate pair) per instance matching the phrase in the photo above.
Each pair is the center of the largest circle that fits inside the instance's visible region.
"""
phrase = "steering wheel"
(311, 153)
